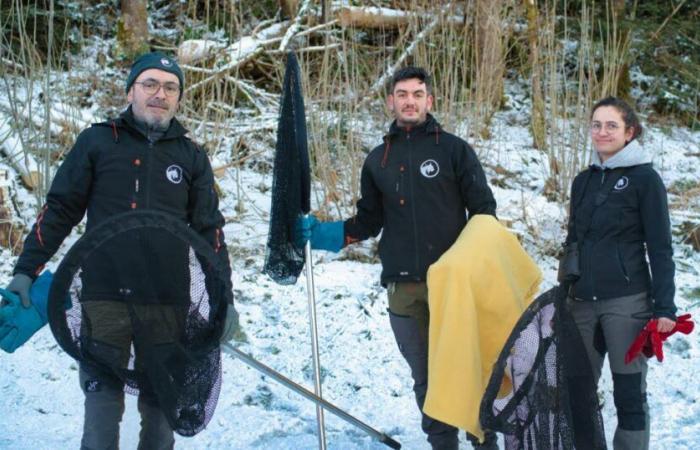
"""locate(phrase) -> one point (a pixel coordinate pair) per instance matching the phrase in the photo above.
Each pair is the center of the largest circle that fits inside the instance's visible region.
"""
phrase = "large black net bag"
(541, 394)
(141, 298)
(291, 181)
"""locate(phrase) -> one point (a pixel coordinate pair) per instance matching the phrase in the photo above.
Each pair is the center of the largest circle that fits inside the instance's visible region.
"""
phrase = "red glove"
(650, 341)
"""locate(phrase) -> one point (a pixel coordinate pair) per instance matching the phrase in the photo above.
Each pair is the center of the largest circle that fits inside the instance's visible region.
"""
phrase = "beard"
(157, 123)
(410, 120)
(151, 119)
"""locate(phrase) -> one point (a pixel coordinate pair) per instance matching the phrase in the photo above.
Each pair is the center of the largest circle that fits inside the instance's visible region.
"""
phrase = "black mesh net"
(290, 182)
(541, 394)
(142, 299)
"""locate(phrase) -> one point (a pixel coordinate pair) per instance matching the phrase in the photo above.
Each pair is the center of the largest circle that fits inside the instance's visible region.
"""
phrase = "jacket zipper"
(149, 186)
(622, 264)
(413, 204)
(593, 283)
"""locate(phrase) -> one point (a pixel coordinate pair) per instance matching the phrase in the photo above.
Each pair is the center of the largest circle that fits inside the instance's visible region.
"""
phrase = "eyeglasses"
(150, 87)
(610, 127)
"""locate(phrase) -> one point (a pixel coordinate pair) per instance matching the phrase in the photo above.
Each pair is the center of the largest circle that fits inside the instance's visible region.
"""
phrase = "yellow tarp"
(477, 291)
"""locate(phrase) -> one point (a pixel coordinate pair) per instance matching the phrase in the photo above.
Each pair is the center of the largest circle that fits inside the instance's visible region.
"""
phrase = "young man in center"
(416, 188)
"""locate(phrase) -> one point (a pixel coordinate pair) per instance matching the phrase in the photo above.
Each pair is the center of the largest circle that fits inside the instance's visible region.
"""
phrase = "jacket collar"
(633, 154)
(430, 126)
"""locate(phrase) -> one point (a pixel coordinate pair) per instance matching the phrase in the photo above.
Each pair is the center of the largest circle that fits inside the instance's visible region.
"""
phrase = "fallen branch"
(194, 50)
(251, 92)
(382, 18)
(294, 27)
(381, 82)
(316, 48)
(242, 51)
(220, 171)
(655, 34)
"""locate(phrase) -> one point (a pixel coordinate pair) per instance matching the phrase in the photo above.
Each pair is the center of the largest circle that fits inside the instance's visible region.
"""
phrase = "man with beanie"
(140, 160)
(416, 188)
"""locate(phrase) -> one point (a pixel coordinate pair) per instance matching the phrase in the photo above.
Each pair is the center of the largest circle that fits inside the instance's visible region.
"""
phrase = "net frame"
(176, 376)
(543, 396)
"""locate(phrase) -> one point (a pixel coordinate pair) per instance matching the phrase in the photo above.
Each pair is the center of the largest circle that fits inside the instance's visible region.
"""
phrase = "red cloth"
(650, 341)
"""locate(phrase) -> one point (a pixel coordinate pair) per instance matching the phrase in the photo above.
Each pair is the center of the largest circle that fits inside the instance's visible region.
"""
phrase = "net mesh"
(541, 394)
(142, 299)
(290, 182)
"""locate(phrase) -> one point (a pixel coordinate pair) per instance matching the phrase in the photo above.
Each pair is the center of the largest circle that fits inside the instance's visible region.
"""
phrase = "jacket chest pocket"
(393, 182)
(115, 177)
(613, 216)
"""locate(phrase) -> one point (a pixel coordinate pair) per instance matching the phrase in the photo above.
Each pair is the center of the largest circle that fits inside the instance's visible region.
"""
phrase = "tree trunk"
(624, 83)
(289, 8)
(132, 28)
(537, 121)
(489, 59)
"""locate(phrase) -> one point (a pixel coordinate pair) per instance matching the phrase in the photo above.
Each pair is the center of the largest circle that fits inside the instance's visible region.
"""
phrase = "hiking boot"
(446, 446)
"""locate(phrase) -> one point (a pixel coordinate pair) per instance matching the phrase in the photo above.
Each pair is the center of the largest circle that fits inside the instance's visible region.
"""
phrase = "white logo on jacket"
(429, 168)
(622, 183)
(174, 174)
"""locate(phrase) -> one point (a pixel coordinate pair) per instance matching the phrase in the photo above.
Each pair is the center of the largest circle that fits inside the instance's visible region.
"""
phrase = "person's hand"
(20, 284)
(665, 325)
(323, 235)
(302, 229)
(17, 323)
(231, 326)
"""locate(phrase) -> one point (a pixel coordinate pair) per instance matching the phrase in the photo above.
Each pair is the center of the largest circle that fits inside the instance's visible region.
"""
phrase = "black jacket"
(113, 168)
(415, 187)
(632, 223)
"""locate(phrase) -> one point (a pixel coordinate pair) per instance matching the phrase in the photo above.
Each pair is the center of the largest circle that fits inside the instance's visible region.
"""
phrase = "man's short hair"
(410, 72)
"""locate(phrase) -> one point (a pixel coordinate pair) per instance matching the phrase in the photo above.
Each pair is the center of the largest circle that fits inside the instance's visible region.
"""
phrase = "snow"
(362, 370)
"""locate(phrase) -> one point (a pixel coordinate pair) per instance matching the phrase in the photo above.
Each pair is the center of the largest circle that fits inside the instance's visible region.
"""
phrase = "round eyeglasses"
(610, 127)
(150, 87)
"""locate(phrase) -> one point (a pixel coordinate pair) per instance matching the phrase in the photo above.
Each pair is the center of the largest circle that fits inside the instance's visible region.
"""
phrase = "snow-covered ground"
(363, 372)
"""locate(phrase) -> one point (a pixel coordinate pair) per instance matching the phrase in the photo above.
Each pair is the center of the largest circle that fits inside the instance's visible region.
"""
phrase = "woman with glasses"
(618, 220)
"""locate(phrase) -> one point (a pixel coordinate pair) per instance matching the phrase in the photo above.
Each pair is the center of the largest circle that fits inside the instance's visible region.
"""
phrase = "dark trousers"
(410, 318)
(104, 407)
(610, 326)
(111, 339)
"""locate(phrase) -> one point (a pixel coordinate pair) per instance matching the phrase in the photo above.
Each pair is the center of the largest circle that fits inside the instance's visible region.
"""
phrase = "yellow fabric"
(477, 291)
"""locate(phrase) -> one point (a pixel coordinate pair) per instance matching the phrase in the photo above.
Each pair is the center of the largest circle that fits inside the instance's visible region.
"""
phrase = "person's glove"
(20, 285)
(650, 341)
(231, 326)
(19, 323)
(323, 235)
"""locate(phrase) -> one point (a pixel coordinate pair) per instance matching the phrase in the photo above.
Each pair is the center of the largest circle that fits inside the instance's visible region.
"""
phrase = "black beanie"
(154, 60)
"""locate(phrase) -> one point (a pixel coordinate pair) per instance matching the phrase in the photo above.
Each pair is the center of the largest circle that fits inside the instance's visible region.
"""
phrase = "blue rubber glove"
(17, 323)
(323, 235)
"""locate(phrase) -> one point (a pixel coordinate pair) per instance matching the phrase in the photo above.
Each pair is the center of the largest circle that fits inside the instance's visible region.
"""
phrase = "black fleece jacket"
(630, 225)
(415, 188)
(113, 168)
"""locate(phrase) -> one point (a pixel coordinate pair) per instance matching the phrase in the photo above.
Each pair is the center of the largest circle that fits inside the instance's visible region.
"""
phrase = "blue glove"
(323, 235)
(17, 323)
